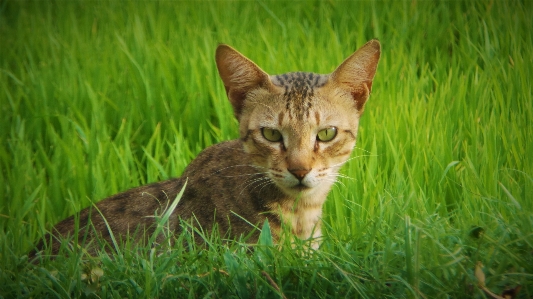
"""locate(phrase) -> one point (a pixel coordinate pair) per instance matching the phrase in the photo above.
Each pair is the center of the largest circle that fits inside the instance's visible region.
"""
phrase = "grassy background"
(98, 97)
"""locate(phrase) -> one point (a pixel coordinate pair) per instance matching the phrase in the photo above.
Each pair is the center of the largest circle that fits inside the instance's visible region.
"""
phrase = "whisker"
(339, 175)
(245, 174)
(263, 185)
(241, 165)
(361, 149)
(269, 182)
(340, 183)
(335, 182)
(252, 182)
(352, 158)
(338, 186)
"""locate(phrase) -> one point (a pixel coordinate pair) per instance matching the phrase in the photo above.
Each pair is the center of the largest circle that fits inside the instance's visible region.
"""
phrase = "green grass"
(99, 97)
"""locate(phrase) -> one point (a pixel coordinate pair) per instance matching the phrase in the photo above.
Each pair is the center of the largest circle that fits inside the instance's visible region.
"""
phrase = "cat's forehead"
(299, 80)
(299, 91)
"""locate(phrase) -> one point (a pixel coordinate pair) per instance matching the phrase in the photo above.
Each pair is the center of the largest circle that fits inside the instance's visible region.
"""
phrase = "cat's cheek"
(262, 154)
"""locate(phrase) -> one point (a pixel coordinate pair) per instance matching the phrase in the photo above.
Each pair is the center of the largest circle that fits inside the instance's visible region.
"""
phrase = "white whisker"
(339, 175)
(244, 175)
(263, 184)
(251, 182)
(361, 149)
(352, 158)
(335, 182)
(267, 183)
(242, 165)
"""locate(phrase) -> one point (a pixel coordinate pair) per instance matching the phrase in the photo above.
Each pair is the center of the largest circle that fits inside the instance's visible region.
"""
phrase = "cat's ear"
(240, 75)
(356, 73)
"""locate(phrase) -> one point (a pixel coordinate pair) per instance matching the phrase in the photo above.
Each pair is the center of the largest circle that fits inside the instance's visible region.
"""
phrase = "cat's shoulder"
(225, 148)
(217, 156)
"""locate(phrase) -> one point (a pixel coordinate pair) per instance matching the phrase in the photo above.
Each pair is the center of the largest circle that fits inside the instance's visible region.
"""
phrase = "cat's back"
(213, 171)
(216, 183)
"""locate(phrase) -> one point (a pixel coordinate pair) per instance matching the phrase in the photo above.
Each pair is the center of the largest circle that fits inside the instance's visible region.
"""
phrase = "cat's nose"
(299, 173)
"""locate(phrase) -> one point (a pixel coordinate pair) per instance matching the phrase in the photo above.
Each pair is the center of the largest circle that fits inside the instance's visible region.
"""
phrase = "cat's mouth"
(295, 187)
(300, 187)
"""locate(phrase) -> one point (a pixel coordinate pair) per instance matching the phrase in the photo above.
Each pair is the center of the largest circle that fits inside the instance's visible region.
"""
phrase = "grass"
(98, 97)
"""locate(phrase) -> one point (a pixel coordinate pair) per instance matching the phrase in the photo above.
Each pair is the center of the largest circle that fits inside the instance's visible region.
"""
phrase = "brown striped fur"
(252, 177)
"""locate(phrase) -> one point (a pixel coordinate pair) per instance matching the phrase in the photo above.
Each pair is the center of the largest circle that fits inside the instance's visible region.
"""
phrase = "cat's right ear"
(240, 75)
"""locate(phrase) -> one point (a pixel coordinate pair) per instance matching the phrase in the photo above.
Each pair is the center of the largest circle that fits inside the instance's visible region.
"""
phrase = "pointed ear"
(240, 75)
(356, 73)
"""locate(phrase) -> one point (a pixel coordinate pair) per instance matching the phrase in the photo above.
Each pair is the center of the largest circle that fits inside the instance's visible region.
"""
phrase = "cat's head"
(299, 128)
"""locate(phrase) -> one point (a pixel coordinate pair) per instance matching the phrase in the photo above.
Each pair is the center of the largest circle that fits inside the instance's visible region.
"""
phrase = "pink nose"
(299, 173)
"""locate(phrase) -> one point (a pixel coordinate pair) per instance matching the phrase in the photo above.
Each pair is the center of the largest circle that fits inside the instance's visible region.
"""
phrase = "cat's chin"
(297, 190)
(301, 188)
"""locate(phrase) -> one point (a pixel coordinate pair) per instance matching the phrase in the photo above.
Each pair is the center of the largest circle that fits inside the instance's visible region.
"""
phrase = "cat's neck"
(303, 212)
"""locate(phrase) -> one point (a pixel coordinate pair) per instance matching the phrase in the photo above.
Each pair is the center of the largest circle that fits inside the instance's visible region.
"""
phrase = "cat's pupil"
(327, 134)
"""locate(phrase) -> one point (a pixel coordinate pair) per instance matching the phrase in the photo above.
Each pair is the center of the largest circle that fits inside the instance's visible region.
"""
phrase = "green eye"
(327, 134)
(271, 134)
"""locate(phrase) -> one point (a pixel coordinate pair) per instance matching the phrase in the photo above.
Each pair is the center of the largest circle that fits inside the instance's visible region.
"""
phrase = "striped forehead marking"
(299, 89)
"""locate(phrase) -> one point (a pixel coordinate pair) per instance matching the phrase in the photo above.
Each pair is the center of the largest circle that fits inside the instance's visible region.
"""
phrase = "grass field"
(100, 96)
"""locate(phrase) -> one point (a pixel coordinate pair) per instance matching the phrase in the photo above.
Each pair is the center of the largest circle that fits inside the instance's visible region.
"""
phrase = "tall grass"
(98, 97)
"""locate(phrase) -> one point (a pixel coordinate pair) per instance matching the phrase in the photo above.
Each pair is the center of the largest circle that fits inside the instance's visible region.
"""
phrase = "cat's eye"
(271, 134)
(327, 134)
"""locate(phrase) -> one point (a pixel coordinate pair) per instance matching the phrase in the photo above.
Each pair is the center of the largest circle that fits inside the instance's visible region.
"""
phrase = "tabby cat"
(296, 131)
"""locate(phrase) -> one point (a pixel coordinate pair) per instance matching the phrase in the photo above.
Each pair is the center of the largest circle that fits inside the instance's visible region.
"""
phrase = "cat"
(296, 131)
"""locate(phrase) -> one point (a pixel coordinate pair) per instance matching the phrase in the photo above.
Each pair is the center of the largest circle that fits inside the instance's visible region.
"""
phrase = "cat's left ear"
(356, 73)
(240, 76)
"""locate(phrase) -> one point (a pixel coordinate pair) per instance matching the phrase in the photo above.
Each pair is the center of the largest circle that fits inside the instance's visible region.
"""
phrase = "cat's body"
(296, 129)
